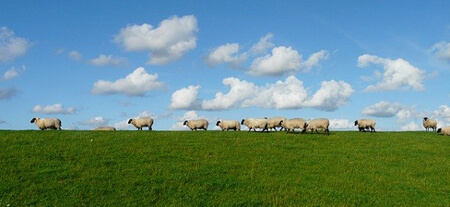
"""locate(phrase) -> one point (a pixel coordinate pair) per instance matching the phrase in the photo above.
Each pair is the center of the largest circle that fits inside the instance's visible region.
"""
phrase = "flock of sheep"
(265, 124)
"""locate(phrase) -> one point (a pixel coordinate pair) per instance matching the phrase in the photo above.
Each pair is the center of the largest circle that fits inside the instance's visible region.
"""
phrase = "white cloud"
(168, 42)
(285, 60)
(341, 124)
(442, 51)
(239, 91)
(146, 114)
(108, 60)
(443, 111)
(412, 126)
(263, 45)
(288, 94)
(53, 109)
(388, 109)
(7, 93)
(96, 121)
(228, 53)
(398, 74)
(74, 55)
(11, 46)
(12, 73)
(185, 98)
(134, 84)
(122, 125)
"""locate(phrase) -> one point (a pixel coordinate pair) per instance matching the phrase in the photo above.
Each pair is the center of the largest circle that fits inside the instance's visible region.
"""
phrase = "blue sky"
(93, 63)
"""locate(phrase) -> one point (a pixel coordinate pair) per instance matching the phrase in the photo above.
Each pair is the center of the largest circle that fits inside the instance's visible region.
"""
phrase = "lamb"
(273, 123)
(445, 131)
(47, 123)
(255, 124)
(105, 128)
(229, 124)
(364, 124)
(429, 123)
(196, 124)
(316, 124)
(292, 124)
(142, 122)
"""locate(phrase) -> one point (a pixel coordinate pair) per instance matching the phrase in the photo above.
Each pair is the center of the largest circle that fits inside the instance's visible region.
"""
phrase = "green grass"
(214, 168)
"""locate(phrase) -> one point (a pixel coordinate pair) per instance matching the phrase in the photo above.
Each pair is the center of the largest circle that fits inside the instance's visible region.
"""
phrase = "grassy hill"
(141, 168)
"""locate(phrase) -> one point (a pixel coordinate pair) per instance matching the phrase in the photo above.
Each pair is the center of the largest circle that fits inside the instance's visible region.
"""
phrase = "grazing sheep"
(292, 124)
(229, 124)
(105, 128)
(46, 123)
(444, 131)
(364, 124)
(429, 123)
(316, 124)
(196, 124)
(142, 122)
(255, 124)
(273, 123)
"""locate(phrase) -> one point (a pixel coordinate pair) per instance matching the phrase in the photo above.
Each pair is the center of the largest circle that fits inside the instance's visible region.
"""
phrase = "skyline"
(101, 63)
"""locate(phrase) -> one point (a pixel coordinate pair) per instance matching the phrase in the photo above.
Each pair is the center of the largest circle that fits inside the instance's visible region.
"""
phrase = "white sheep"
(316, 124)
(254, 124)
(196, 124)
(47, 123)
(229, 124)
(142, 122)
(364, 124)
(444, 131)
(429, 123)
(105, 128)
(273, 123)
(292, 124)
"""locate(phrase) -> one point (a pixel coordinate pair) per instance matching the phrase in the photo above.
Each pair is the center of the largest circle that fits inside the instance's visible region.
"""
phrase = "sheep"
(364, 124)
(105, 128)
(444, 131)
(316, 124)
(142, 122)
(229, 124)
(429, 123)
(47, 123)
(273, 123)
(292, 124)
(255, 124)
(196, 124)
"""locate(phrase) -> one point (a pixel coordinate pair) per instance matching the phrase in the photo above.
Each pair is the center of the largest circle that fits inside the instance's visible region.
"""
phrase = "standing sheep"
(47, 123)
(229, 124)
(196, 124)
(292, 124)
(364, 124)
(429, 123)
(142, 122)
(255, 124)
(445, 131)
(316, 124)
(273, 123)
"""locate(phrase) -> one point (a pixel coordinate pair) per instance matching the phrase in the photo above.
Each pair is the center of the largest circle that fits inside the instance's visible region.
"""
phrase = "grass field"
(214, 168)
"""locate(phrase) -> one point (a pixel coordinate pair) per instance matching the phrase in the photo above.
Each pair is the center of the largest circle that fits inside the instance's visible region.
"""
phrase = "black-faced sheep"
(196, 124)
(142, 122)
(364, 124)
(47, 123)
(229, 124)
(429, 123)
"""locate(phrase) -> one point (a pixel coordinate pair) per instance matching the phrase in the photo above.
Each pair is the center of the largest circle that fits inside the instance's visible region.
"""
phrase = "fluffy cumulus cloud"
(96, 121)
(443, 111)
(398, 74)
(185, 98)
(7, 93)
(263, 45)
(167, 42)
(442, 51)
(53, 109)
(228, 53)
(342, 124)
(288, 94)
(412, 126)
(75, 55)
(108, 60)
(388, 109)
(285, 60)
(11, 46)
(136, 83)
